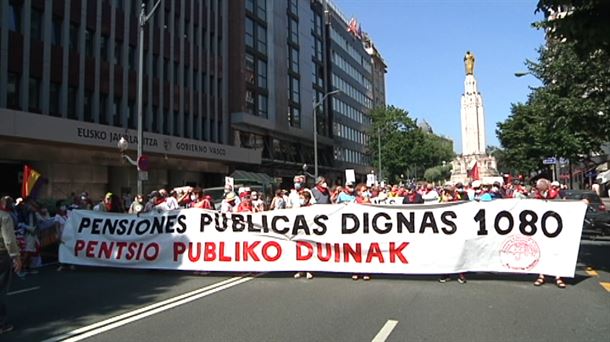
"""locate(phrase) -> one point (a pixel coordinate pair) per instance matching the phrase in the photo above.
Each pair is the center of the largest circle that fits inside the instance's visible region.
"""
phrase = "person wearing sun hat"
(228, 204)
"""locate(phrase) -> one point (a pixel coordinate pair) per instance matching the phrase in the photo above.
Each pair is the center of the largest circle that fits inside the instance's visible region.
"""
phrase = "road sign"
(143, 163)
(563, 161)
(549, 161)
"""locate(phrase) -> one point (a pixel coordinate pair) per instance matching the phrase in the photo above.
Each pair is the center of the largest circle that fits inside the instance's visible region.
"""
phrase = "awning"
(246, 176)
(603, 177)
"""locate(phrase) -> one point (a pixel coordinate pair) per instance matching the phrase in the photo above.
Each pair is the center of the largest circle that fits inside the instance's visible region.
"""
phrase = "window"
(185, 125)
(293, 7)
(249, 62)
(132, 58)
(249, 32)
(165, 69)
(176, 73)
(261, 9)
(261, 39)
(262, 106)
(72, 103)
(176, 126)
(261, 80)
(36, 25)
(73, 37)
(165, 122)
(294, 90)
(294, 59)
(117, 52)
(294, 117)
(57, 31)
(116, 115)
(104, 48)
(34, 94)
(54, 90)
(88, 106)
(155, 120)
(15, 18)
(131, 115)
(155, 66)
(293, 28)
(89, 36)
(250, 5)
(103, 102)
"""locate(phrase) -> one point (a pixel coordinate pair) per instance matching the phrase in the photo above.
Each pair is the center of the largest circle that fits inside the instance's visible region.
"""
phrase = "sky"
(423, 42)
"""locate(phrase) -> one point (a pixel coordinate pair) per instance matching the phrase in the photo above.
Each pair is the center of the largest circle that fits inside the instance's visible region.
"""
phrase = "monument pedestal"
(463, 166)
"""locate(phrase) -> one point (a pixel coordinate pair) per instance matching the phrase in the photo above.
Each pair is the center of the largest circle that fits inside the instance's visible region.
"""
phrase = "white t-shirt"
(431, 196)
(171, 203)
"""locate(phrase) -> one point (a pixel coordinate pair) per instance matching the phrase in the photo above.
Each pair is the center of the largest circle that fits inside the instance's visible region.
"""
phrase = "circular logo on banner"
(519, 253)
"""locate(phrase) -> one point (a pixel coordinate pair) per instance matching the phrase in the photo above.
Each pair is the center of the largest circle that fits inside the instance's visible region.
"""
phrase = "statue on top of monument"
(469, 63)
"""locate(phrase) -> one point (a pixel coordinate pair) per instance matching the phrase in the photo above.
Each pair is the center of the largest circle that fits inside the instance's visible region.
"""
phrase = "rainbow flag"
(30, 179)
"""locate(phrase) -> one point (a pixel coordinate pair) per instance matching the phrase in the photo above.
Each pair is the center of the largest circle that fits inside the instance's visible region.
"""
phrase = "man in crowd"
(9, 258)
(430, 195)
(228, 204)
(412, 196)
(258, 204)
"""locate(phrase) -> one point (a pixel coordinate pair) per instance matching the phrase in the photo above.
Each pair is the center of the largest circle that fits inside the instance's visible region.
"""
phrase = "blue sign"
(549, 161)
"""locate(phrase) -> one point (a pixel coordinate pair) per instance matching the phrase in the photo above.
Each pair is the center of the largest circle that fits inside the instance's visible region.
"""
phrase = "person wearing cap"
(545, 192)
(320, 191)
(9, 258)
(347, 195)
(228, 203)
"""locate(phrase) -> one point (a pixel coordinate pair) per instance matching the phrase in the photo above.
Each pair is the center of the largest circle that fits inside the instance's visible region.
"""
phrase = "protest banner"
(518, 236)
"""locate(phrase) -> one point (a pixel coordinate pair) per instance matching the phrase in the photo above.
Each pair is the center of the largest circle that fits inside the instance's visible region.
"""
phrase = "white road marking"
(132, 316)
(22, 291)
(385, 331)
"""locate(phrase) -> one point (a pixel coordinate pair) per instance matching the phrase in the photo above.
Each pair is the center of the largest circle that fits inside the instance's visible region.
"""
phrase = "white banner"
(518, 236)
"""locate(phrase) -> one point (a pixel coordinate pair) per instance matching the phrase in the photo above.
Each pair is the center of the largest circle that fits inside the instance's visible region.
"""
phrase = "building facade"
(68, 71)
(227, 85)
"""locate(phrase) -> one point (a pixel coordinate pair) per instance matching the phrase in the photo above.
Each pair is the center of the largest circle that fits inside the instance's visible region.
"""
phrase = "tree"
(586, 23)
(406, 149)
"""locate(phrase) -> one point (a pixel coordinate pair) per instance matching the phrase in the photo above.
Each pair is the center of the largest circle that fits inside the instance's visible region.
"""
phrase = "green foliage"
(568, 116)
(405, 149)
(438, 173)
(587, 25)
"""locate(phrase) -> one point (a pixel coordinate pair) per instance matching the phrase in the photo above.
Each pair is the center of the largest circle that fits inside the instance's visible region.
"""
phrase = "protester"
(201, 201)
(170, 199)
(228, 203)
(9, 258)
(245, 206)
(257, 202)
(295, 193)
(412, 196)
(320, 191)
(304, 201)
(278, 201)
(335, 194)
(347, 195)
(430, 195)
(60, 221)
(362, 194)
(28, 223)
(545, 192)
(105, 204)
(137, 205)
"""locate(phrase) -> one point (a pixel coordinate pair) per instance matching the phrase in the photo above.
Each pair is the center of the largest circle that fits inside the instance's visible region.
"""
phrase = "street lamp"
(315, 129)
(122, 144)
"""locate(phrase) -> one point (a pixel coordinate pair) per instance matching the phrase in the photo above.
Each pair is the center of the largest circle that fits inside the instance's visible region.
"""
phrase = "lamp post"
(123, 144)
(315, 129)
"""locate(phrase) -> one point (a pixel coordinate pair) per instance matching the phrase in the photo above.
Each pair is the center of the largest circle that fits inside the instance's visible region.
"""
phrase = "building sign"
(47, 128)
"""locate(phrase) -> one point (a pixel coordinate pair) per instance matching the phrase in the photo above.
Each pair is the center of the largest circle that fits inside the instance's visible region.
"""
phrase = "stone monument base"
(462, 167)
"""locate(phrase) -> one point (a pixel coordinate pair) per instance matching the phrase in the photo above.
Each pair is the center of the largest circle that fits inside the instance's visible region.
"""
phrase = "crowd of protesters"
(34, 227)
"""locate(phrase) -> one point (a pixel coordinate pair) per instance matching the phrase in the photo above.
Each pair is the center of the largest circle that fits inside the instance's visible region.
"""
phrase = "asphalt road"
(332, 307)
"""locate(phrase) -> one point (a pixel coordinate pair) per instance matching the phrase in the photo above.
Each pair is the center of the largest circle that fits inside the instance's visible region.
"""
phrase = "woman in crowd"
(305, 201)
(544, 192)
(362, 194)
(278, 201)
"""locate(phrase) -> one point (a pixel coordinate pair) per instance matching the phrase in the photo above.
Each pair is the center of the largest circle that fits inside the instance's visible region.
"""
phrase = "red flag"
(474, 172)
(30, 179)
(354, 27)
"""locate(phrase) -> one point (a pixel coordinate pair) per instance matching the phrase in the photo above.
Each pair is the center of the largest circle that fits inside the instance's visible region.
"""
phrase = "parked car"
(597, 217)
